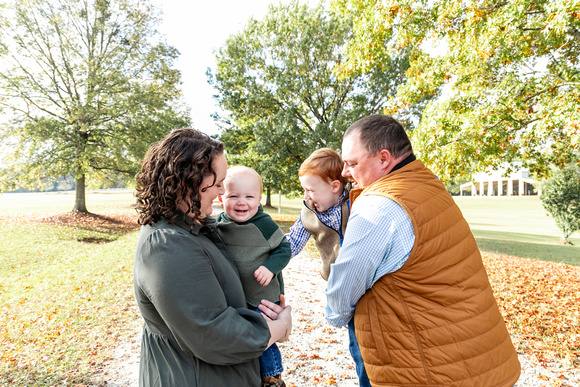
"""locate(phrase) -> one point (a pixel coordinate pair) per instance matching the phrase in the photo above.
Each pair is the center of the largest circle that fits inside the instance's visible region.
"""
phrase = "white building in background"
(496, 183)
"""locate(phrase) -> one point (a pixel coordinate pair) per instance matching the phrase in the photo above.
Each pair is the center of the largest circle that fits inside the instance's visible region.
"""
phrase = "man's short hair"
(324, 163)
(379, 132)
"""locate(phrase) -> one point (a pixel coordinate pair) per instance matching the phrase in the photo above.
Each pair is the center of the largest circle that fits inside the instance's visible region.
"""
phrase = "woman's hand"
(270, 309)
(279, 318)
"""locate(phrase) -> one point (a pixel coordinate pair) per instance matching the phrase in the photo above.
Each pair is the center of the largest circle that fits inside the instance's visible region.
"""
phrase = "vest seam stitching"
(417, 337)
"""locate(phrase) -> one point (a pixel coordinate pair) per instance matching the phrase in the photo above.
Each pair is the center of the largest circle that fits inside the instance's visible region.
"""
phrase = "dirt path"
(317, 353)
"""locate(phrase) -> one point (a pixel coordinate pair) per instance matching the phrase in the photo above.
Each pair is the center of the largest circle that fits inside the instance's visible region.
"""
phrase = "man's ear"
(385, 157)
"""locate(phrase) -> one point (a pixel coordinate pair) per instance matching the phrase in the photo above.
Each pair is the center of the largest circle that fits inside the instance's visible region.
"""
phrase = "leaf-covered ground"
(114, 223)
(540, 302)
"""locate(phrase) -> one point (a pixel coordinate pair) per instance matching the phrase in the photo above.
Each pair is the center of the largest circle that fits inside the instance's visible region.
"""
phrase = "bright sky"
(196, 28)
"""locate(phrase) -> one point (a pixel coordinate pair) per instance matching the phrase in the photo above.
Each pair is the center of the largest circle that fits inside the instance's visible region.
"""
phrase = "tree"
(561, 198)
(87, 86)
(509, 71)
(281, 96)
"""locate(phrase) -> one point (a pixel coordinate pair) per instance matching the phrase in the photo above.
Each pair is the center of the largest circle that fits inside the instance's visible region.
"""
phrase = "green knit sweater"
(254, 243)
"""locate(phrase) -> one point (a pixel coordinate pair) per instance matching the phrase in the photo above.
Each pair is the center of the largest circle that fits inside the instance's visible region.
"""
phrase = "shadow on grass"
(533, 248)
(92, 228)
(518, 236)
(97, 240)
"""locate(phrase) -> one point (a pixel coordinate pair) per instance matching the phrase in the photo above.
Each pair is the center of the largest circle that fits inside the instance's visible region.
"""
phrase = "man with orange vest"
(409, 279)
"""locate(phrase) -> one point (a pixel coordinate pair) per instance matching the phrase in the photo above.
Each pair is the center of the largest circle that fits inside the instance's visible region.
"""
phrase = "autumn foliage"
(505, 74)
(62, 327)
(540, 303)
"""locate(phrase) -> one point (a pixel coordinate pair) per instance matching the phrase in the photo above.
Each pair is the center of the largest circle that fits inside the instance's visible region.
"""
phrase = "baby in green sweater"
(258, 248)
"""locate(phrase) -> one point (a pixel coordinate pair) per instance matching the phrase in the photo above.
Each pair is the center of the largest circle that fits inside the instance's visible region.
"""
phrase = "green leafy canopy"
(507, 74)
(281, 95)
(87, 86)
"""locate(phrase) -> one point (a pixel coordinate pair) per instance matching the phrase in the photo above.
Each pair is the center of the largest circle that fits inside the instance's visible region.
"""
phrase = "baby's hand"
(263, 276)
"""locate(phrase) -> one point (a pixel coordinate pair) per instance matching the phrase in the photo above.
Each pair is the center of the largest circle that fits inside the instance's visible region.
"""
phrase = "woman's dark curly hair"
(173, 169)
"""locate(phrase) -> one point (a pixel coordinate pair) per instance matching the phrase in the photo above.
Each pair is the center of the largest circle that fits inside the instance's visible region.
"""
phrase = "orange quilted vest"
(435, 321)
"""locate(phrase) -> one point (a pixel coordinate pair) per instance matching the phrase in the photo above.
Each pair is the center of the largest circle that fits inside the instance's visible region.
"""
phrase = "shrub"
(561, 198)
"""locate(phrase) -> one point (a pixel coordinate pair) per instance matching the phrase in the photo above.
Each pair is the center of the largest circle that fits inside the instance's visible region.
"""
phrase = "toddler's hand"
(263, 276)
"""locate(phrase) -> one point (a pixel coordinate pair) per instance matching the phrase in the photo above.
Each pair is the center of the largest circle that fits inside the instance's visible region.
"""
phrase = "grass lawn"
(517, 226)
(66, 295)
(56, 202)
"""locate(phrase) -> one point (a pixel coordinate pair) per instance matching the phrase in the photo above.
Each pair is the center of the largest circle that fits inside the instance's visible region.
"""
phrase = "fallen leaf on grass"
(540, 303)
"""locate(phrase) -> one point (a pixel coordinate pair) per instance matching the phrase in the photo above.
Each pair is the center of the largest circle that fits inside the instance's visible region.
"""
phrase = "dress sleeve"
(203, 313)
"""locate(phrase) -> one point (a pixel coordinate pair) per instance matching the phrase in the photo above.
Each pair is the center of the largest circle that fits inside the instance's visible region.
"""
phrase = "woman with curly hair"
(198, 331)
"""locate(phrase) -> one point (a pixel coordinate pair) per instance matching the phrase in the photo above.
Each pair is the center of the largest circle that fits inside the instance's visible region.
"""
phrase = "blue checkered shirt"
(298, 236)
(378, 240)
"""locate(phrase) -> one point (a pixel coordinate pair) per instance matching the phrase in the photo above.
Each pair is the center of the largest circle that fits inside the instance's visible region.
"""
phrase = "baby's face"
(242, 197)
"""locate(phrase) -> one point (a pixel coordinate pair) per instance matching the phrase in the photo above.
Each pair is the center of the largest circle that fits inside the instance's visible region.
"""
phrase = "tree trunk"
(268, 198)
(80, 198)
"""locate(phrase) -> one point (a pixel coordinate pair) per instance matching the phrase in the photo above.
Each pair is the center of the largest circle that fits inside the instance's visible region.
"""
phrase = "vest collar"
(404, 162)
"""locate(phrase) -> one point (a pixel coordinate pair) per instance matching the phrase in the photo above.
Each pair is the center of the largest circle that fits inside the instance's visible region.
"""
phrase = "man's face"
(365, 169)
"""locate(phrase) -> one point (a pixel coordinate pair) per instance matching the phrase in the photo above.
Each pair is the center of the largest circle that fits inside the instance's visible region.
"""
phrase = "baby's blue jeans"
(271, 359)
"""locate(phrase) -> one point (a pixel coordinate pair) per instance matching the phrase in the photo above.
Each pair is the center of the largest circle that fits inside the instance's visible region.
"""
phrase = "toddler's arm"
(298, 236)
